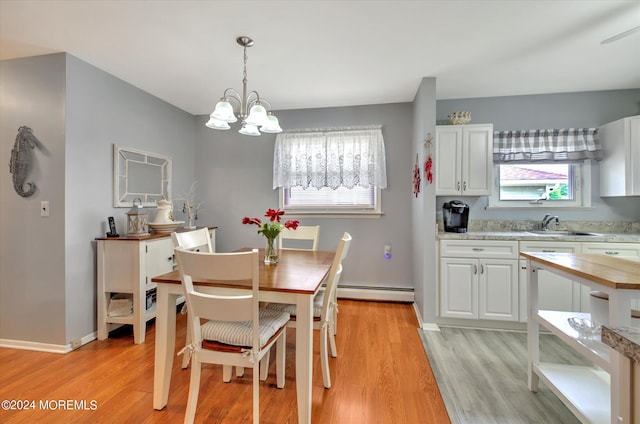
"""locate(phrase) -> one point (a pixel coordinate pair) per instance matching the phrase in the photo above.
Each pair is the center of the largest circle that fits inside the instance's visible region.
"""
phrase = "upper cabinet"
(463, 160)
(620, 168)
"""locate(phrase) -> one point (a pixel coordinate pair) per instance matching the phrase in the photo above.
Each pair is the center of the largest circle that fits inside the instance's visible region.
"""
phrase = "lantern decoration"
(137, 219)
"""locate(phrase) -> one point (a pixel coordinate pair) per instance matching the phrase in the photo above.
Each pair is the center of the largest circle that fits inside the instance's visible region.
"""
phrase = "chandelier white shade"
(252, 114)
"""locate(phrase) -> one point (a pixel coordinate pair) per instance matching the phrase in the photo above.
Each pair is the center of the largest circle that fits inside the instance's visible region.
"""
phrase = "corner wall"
(32, 248)
(423, 206)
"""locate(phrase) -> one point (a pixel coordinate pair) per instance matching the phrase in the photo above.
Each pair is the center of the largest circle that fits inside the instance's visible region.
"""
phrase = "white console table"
(594, 394)
(126, 265)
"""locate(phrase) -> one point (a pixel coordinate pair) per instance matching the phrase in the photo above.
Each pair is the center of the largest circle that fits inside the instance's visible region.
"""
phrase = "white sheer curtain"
(332, 158)
(573, 144)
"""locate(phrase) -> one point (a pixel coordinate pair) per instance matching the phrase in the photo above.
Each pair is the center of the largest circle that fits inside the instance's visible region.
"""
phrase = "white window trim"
(581, 182)
(335, 212)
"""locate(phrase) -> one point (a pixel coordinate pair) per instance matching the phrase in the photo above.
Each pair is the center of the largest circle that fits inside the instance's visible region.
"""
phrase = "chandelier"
(252, 113)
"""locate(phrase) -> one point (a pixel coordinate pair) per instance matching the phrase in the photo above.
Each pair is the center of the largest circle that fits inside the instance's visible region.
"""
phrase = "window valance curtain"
(573, 144)
(332, 158)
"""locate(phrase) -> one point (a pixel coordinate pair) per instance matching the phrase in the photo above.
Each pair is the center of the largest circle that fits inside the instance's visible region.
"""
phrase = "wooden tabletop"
(299, 271)
(610, 271)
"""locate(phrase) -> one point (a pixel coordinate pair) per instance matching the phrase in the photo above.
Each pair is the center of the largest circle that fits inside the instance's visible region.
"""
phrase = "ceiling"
(311, 54)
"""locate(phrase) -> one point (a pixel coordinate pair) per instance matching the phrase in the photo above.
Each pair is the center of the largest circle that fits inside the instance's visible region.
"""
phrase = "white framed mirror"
(140, 174)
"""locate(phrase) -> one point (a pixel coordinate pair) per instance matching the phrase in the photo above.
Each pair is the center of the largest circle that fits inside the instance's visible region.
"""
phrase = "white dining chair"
(236, 331)
(303, 234)
(199, 241)
(324, 309)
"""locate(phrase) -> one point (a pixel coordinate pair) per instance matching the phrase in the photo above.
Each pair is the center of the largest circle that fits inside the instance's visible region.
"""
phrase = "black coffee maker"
(456, 216)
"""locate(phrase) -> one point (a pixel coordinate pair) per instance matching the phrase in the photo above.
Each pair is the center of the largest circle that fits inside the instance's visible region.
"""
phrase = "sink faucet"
(546, 220)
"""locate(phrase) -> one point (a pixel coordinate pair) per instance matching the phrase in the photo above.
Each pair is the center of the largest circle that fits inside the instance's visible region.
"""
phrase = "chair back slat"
(198, 240)
(302, 233)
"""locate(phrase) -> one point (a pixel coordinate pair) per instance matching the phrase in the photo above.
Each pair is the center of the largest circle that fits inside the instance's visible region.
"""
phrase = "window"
(337, 171)
(358, 200)
(548, 185)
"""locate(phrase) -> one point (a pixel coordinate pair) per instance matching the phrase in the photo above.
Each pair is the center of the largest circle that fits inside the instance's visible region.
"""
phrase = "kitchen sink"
(562, 233)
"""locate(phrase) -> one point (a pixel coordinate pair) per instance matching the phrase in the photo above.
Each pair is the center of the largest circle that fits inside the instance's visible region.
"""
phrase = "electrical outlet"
(76, 343)
(44, 208)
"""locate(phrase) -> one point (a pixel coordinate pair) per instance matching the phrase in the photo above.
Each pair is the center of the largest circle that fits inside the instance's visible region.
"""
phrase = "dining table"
(294, 280)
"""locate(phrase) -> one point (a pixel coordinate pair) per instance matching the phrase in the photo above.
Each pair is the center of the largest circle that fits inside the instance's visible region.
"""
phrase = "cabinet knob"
(481, 269)
(611, 253)
(523, 267)
(464, 186)
(477, 249)
(548, 250)
(458, 186)
(475, 269)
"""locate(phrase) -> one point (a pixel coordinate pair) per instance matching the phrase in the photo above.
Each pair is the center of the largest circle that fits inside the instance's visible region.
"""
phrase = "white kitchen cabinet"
(479, 279)
(555, 293)
(463, 160)
(620, 166)
(125, 267)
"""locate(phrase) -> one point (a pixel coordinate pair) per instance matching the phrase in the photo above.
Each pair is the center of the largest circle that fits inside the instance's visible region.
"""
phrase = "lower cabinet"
(479, 279)
(555, 293)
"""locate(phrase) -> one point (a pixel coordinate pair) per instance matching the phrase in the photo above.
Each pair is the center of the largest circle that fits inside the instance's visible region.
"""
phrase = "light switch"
(387, 251)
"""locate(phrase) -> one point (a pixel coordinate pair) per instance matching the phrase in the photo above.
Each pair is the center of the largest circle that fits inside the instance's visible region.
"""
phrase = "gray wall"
(48, 275)
(564, 110)
(235, 176)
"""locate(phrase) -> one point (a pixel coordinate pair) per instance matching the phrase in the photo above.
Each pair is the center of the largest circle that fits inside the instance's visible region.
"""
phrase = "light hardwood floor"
(381, 376)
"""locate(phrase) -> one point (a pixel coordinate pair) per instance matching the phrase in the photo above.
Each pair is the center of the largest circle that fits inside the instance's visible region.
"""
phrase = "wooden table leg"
(165, 345)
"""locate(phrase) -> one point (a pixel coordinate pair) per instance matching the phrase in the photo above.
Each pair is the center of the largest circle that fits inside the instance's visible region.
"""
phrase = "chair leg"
(324, 356)
(256, 393)
(281, 353)
(332, 340)
(240, 371)
(227, 371)
(185, 358)
(194, 388)
(264, 365)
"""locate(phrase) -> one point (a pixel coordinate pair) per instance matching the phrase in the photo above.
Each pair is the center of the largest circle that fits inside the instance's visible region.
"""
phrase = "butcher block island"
(602, 393)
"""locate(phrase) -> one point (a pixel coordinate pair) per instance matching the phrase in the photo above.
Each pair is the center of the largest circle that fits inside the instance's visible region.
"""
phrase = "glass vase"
(271, 252)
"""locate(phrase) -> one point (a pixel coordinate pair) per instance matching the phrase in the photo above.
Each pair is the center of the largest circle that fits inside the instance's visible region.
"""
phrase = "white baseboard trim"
(389, 294)
(429, 326)
(40, 347)
(45, 347)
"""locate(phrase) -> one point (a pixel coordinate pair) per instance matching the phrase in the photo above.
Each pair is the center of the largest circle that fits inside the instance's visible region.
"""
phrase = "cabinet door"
(498, 290)
(477, 148)
(448, 159)
(159, 257)
(459, 288)
(619, 175)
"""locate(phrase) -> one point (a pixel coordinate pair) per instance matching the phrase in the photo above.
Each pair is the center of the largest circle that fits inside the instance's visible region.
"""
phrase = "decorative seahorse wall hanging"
(22, 161)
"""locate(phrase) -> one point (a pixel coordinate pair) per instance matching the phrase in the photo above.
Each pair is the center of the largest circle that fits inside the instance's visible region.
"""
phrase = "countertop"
(617, 273)
(524, 235)
(625, 340)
